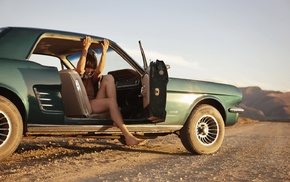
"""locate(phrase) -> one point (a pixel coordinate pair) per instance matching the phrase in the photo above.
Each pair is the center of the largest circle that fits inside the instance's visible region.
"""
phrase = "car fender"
(210, 100)
(180, 105)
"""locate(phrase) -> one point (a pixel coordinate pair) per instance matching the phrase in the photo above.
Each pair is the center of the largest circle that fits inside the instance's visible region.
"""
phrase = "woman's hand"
(105, 45)
(87, 42)
(101, 65)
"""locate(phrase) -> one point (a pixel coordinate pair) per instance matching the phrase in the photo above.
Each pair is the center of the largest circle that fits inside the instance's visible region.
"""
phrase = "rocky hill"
(265, 104)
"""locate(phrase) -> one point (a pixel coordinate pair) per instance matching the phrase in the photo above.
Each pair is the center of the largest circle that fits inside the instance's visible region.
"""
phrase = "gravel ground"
(252, 151)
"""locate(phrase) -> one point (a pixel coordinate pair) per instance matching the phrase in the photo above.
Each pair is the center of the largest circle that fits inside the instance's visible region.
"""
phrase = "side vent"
(48, 99)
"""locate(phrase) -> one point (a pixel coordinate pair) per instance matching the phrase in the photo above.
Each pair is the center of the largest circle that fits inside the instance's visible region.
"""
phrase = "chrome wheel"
(11, 127)
(203, 132)
(4, 128)
(207, 130)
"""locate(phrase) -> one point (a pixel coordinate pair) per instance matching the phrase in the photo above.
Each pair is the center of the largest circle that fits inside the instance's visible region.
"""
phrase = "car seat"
(74, 95)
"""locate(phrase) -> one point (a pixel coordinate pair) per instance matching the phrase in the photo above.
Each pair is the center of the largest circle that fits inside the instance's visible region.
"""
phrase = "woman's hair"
(91, 61)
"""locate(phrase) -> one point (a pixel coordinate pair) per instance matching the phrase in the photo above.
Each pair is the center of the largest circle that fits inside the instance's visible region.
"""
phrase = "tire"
(11, 127)
(203, 132)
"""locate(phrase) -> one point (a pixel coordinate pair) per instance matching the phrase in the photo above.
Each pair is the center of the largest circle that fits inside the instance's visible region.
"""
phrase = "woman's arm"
(101, 65)
(82, 61)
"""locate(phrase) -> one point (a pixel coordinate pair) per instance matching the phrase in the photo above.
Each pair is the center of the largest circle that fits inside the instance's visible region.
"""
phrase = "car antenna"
(145, 65)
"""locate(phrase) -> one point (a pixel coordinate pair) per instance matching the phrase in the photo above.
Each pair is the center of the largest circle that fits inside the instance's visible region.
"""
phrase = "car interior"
(75, 100)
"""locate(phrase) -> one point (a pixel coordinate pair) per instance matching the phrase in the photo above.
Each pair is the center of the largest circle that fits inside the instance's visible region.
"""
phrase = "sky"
(238, 42)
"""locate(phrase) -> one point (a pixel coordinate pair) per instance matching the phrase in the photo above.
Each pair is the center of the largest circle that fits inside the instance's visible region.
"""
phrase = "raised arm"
(101, 65)
(82, 61)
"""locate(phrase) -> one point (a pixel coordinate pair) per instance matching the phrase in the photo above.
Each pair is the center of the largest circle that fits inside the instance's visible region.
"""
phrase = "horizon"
(267, 90)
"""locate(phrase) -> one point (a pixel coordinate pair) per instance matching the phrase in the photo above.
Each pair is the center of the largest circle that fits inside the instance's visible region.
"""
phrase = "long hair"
(91, 61)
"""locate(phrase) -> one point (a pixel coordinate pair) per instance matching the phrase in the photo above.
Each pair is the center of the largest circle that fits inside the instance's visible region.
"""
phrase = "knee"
(108, 79)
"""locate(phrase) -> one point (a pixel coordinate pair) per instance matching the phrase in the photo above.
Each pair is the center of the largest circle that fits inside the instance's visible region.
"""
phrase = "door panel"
(145, 90)
(154, 91)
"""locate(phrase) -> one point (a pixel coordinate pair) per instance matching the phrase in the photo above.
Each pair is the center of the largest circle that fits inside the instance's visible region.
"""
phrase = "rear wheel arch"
(14, 98)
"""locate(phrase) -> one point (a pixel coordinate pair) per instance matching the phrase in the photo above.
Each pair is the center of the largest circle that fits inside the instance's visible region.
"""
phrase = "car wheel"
(203, 132)
(11, 127)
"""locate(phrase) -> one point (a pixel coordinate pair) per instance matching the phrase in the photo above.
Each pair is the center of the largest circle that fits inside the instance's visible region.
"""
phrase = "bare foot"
(135, 141)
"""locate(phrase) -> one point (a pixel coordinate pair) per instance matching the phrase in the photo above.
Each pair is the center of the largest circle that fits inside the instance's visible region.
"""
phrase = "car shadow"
(44, 150)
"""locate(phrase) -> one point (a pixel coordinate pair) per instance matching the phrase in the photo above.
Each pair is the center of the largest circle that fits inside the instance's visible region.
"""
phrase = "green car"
(42, 95)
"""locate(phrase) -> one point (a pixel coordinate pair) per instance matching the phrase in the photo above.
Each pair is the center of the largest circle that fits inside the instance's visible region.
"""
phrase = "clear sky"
(239, 42)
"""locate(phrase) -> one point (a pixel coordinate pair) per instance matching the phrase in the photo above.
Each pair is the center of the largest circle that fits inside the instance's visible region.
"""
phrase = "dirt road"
(250, 152)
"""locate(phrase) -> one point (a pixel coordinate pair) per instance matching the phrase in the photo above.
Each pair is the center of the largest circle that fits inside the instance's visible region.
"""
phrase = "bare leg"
(107, 88)
(106, 100)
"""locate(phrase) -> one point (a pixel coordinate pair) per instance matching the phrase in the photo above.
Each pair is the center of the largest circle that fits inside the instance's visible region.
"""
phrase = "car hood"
(201, 87)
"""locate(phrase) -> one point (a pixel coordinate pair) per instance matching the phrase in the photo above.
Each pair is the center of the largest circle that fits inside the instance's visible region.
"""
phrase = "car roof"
(19, 42)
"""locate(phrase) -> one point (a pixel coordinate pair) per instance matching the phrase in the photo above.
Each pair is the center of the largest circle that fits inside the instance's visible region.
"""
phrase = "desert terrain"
(267, 105)
(251, 151)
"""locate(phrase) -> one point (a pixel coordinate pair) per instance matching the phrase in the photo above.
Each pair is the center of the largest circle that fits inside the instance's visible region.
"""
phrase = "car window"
(113, 60)
(46, 60)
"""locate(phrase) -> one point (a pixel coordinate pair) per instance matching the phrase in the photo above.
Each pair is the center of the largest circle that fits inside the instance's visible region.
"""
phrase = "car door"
(154, 86)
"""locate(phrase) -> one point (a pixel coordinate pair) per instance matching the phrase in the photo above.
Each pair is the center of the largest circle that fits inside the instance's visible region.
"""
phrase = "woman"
(106, 97)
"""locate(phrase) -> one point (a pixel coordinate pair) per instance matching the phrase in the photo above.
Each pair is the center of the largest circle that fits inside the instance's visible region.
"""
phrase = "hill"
(265, 104)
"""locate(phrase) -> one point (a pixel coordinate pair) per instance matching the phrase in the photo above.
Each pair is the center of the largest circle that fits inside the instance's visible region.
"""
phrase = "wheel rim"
(207, 130)
(4, 128)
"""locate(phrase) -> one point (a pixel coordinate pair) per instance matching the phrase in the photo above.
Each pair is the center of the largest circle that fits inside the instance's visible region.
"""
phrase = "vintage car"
(42, 95)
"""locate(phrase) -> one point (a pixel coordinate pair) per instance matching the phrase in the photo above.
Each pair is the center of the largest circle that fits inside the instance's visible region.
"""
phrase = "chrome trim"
(46, 99)
(236, 110)
(42, 93)
(46, 105)
(40, 129)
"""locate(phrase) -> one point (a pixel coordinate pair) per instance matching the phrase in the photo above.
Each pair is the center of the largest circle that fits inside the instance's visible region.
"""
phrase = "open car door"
(154, 89)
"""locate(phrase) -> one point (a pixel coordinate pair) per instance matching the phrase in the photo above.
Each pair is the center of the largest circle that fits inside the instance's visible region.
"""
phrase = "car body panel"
(185, 93)
(25, 79)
